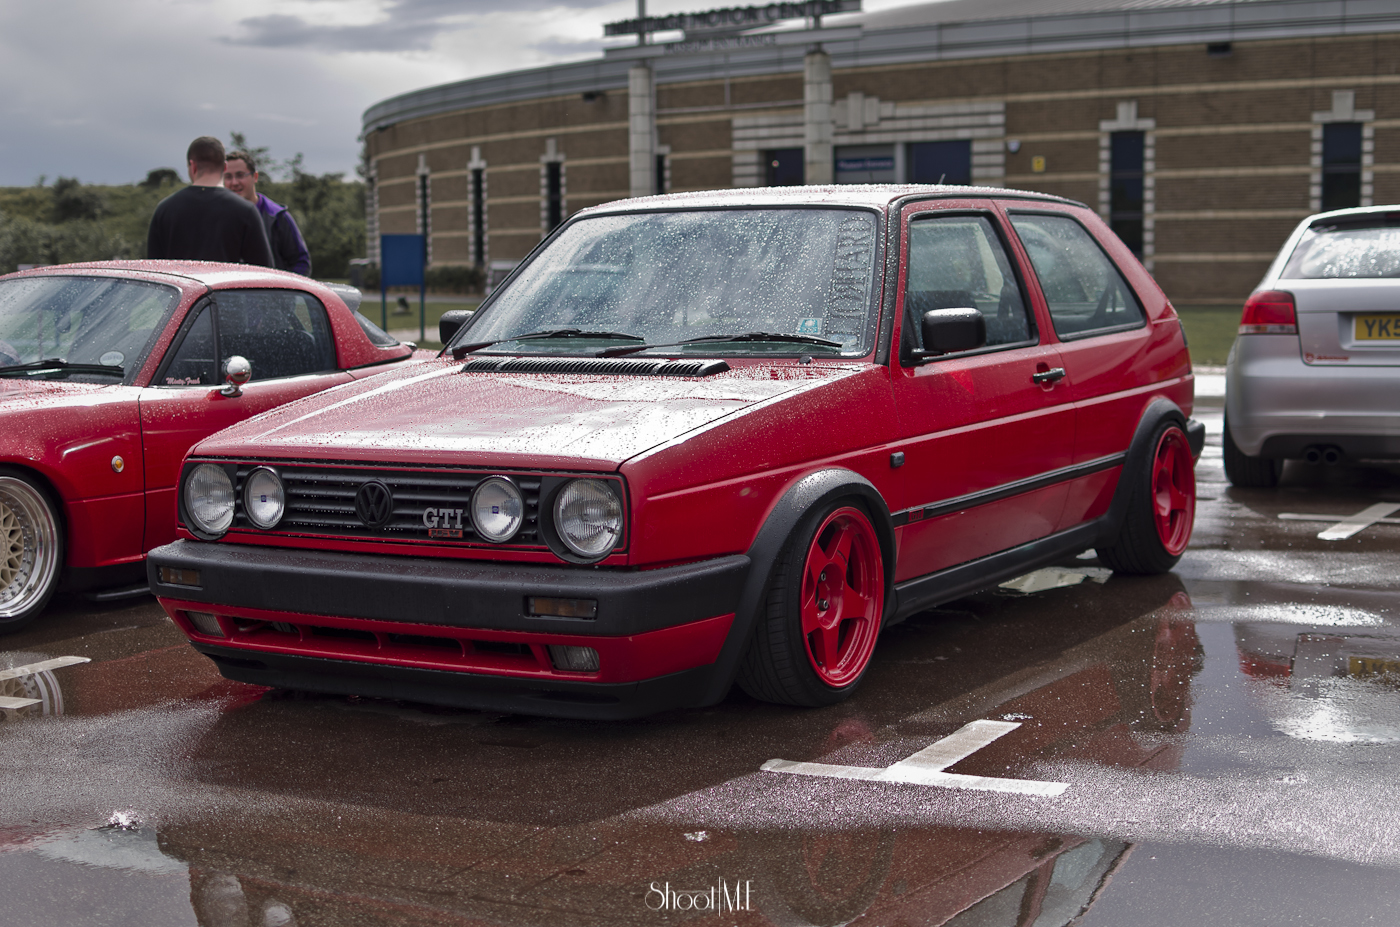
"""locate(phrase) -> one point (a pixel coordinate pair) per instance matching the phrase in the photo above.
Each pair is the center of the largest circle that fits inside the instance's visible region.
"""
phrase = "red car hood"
(587, 422)
(24, 392)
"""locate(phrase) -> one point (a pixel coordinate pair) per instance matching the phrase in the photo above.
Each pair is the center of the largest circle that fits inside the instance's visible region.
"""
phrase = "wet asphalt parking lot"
(1219, 745)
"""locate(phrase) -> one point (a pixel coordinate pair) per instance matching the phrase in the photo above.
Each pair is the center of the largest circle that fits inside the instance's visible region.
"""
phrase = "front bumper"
(455, 632)
(1277, 406)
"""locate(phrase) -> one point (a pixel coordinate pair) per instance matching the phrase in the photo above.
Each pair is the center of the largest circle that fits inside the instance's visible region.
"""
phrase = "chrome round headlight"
(209, 500)
(588, 518)
(498, 509)
(264, 500)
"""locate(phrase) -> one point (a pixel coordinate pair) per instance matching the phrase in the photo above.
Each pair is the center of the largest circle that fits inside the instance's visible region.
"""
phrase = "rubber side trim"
(1007, 490)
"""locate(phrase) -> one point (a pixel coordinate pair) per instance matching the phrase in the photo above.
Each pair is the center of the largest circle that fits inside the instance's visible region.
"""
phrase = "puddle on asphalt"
(275, 810)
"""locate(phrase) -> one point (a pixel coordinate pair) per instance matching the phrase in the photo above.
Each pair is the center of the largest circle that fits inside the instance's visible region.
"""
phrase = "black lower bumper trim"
(559, 699)
(451, 593)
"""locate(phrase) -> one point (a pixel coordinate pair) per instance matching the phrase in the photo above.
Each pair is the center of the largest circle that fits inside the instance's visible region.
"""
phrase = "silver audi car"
(1315, 372)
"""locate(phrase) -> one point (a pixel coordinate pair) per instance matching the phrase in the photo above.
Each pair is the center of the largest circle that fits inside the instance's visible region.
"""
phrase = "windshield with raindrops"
(97, 321)
(669, 277)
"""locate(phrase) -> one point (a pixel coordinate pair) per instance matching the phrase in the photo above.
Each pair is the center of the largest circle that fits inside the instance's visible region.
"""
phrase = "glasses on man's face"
(237, 175)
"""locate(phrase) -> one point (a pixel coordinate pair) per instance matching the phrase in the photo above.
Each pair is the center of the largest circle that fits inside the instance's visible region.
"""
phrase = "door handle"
(1048, 376)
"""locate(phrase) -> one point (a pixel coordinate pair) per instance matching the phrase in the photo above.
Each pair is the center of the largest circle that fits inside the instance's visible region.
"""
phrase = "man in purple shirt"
(289, 250)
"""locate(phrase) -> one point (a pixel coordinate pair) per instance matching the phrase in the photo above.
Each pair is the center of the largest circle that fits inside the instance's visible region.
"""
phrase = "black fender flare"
(814, 489)
(1158, 411)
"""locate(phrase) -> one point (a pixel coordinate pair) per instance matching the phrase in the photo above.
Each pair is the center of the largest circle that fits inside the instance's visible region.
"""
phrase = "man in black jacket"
(205, 222)
(289, 250)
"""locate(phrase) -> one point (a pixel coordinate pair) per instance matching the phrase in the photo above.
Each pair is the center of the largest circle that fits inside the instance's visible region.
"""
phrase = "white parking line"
(927, 766)
(1348, 525)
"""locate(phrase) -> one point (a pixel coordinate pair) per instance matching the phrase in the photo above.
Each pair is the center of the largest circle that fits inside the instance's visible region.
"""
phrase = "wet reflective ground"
(1219, 745)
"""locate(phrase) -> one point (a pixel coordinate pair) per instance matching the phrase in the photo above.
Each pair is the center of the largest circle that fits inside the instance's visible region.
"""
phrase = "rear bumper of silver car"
(1277, 406)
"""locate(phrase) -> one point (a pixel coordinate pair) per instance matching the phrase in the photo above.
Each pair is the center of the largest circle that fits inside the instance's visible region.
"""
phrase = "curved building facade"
(1203, 130)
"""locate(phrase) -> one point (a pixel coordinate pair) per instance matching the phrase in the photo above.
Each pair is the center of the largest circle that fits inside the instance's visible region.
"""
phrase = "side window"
(1083, 288)
(192, 362)
(282, 333)
(958, 262)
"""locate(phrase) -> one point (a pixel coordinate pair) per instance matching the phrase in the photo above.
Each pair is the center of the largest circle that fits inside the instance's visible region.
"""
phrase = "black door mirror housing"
(949, 331)
(451, 322)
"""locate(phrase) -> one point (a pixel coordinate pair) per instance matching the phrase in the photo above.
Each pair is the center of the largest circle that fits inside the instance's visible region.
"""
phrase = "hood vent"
(599, 366)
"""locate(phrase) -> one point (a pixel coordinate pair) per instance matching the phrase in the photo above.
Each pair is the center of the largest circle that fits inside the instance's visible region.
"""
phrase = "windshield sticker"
(850, 278)
(809, 326)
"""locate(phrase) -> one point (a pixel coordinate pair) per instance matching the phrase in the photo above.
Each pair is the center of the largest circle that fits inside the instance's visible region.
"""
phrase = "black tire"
(787, 660)
(1245, 471)
(1161, 510)
(31, 549)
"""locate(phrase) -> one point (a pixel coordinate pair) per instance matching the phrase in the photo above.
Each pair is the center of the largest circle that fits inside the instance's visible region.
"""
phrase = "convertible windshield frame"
(478, 328)
(133, 343)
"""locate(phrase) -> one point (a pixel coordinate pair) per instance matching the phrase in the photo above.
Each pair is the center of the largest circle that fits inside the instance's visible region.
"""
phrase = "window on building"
(479, 216)
(1125, 187)
(425, 215)
(1341, 165)
(784, 167)
(554, 192)
(941, 162)
(661, 173)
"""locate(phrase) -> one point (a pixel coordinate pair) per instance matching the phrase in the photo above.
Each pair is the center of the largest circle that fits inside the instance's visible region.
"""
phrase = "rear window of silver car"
(670, 276)
(1349, 251)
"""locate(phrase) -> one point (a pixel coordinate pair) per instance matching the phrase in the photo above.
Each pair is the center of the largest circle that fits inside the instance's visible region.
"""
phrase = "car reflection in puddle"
(1121, 699)
(1325, 683)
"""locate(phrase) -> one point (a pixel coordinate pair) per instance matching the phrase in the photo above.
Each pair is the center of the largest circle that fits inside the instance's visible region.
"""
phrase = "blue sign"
(401, 259)
(853, 165)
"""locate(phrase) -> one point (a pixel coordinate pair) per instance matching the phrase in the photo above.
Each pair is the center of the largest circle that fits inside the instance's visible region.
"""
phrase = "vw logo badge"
(374, 504)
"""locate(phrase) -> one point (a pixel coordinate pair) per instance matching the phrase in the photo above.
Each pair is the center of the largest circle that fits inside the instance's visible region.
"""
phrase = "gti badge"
(374, 504)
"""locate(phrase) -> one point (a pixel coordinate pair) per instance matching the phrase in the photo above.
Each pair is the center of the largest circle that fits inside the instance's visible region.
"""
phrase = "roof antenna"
(941, 176)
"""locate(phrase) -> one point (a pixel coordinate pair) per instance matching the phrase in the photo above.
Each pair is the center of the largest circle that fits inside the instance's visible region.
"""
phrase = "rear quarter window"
(1083, 288)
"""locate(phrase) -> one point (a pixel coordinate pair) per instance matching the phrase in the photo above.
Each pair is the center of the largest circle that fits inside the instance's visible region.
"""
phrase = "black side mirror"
(948, 331)
(451, 322)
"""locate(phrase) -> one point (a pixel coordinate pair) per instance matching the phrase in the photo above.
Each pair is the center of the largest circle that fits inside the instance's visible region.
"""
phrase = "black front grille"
(321, 501)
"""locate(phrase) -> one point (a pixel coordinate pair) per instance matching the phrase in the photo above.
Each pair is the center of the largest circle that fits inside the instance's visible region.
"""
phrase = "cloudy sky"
(107, 91)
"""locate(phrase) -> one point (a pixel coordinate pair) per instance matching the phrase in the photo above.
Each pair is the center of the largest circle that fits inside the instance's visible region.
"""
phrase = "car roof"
(1322, 218)
(209, 273)
(867, 195)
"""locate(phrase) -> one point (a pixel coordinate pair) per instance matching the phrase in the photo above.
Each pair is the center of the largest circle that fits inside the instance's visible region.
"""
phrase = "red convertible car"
(110, 372)
(700, 439)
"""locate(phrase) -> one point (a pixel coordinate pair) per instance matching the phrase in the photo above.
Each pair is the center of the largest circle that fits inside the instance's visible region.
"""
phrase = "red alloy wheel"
(843, 596)
(1173, 491)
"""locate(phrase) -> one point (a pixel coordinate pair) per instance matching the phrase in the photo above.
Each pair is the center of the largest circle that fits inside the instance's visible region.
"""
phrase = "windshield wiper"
(58, 363)
(745, 336)
(462, 350)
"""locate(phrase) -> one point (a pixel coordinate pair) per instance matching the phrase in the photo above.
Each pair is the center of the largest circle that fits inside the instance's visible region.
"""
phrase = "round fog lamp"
(498, 509)
(209, 500)
(263, 498)
(588, 517)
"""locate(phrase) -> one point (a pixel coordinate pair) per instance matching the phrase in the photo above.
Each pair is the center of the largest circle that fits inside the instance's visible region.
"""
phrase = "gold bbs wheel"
(30, 551)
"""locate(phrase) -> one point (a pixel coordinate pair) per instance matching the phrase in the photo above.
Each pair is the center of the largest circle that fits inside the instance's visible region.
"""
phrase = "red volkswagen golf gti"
(696, 440)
